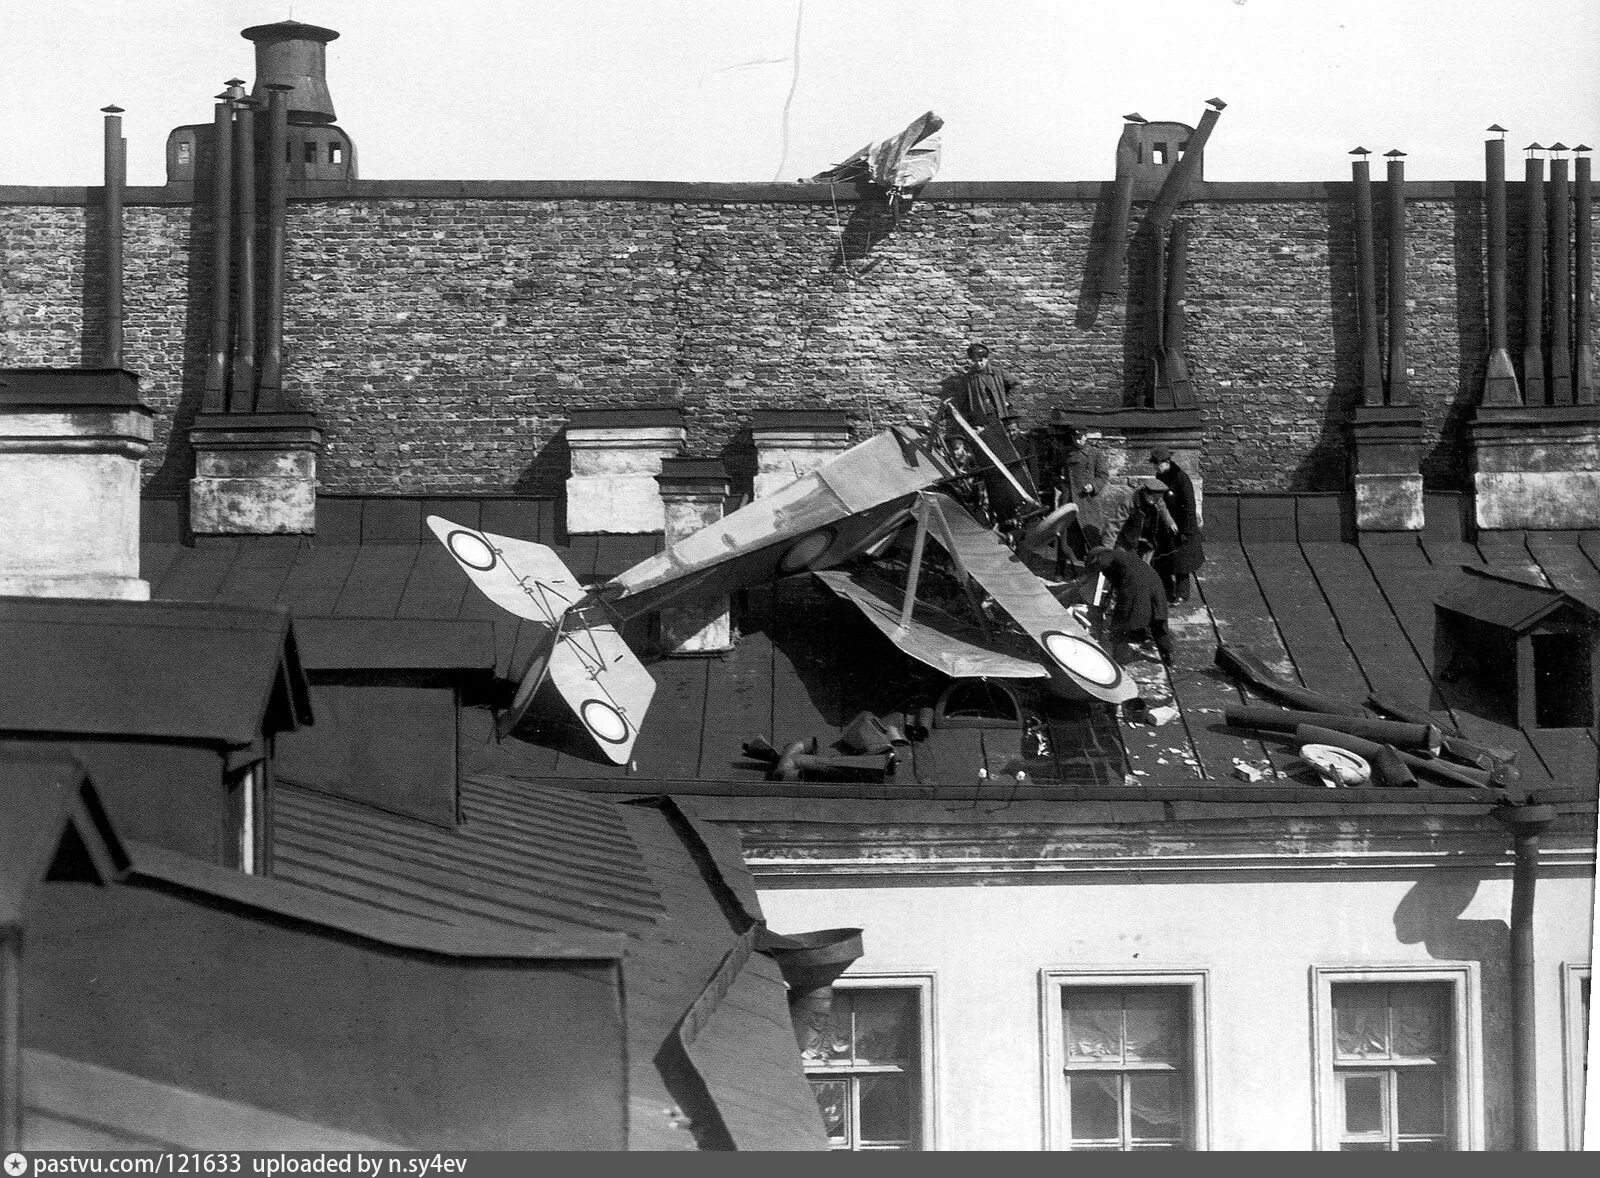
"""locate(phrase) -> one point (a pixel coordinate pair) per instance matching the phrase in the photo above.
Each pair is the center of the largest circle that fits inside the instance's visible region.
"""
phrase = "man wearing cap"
(986, 391)
(1081, 473)
(1184, 553)
(1138, 600)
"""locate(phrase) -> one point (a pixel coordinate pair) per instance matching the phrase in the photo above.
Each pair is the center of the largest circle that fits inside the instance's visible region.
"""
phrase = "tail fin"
(590, 666)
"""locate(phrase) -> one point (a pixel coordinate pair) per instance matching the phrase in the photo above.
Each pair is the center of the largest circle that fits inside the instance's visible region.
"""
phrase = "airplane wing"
(822, 519)
(586, 662)
(940, 647)
(1078, 664)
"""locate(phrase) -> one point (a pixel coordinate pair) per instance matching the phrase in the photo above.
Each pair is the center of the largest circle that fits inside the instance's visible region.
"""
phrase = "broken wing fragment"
(904, 162)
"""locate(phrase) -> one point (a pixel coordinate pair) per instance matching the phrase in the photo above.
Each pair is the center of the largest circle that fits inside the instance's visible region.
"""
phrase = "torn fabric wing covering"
(928, 644)
(906, 161)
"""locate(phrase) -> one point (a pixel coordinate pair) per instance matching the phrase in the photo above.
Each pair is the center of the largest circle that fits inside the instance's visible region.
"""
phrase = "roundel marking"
(807, 551)
(1082, 657)
(604, 721)
(471, 550)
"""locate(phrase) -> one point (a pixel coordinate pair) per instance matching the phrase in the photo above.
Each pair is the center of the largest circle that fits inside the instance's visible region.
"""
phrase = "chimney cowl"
(290, 53)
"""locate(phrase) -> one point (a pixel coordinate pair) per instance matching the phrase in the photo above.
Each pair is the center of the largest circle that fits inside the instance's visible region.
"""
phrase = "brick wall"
(443, 332)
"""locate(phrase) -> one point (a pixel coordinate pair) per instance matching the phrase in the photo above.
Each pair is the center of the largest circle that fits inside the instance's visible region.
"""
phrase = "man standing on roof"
(1138, 600)
(1185, 554)
(986, 390)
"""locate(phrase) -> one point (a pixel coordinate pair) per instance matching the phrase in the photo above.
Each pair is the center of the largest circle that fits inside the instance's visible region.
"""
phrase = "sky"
(757, 90)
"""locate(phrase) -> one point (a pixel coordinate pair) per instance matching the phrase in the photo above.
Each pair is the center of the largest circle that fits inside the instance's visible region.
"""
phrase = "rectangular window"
(1575, 981)
(1125, 1057)
(310, 152)
(335, 153)
(1394, 1050)
(866, 1060)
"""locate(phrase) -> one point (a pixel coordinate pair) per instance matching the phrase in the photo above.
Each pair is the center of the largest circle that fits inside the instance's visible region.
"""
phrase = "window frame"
(1574, 1045)
(922, 982)
(1057, 1135)
(1466, 1075)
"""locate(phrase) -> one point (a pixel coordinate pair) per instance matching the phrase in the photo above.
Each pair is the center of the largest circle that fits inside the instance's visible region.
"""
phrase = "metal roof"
(48, 804)
(209, 673)
(1514, 601)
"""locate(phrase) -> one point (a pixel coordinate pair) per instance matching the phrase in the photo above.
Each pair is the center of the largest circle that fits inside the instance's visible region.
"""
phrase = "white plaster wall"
(1258, 937)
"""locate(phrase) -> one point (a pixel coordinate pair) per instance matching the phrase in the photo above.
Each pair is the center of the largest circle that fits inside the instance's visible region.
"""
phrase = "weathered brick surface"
(444, 341)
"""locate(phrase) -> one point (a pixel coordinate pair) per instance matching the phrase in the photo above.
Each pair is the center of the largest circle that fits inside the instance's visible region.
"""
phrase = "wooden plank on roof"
(1239, 616)
(198, 571)
(377, 581)
(739, 693)
(1309, 626)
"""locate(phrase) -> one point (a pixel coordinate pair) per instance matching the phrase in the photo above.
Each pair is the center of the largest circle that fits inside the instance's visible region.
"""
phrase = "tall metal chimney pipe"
(1155, 241)
(270, 397)
(1533, 388)
(116, 148)
(1366, 282)
(243, 399)
(1397, 392)
(215, 399)
(1560, 303)
(1111, 272)
(1583, 391)
(1500, 376)
(1177, 322)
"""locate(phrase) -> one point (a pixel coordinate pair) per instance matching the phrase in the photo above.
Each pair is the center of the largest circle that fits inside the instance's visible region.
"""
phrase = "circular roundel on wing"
(807, 551)
(1082, 657)
(604, 721)
(471, 550)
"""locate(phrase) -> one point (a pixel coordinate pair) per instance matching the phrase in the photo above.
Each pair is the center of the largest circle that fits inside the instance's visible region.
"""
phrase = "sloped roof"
(1512, 599)
(49, 807)
(209, 673)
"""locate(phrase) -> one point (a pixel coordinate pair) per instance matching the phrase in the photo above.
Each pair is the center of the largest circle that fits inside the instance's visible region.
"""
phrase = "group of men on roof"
(1147, 546)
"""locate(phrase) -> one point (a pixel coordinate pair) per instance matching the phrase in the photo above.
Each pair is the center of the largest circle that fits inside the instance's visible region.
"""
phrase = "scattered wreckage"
(967, 605)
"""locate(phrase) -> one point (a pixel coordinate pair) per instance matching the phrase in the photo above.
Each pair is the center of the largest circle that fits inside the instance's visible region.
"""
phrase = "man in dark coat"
(1184, 553)
(986, 390)
(1080, 475)
(1138, 599)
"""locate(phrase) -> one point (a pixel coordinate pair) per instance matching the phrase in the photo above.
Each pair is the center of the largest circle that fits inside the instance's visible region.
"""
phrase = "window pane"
(1154, 1028)
(827, 1035)
(832, 1097)
(1361, 1021)
(885, 1025)
(1420, 1019)
(1155, 1106)
(1422, 1147)
(885, 1108)
(1363, 1104)
(1095, 1115)
(1421, 1099)
(1364, 1147)
(1093, 1022)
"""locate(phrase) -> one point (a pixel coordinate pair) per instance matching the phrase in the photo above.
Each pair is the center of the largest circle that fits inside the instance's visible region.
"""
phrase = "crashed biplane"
(855, 522)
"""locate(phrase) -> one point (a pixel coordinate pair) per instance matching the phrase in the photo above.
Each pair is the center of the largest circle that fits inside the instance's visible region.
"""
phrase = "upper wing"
(1077, 662)
(820, 520)
(938, 647)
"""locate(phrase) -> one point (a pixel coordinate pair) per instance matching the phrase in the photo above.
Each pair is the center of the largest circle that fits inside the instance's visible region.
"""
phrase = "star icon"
(16, 1165)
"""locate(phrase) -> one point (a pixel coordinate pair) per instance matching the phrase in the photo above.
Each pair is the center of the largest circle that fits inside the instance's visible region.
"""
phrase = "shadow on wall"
(870, 221)
(1430, 915)
(1326, 466)
(1444, 467)
(547, 473)
(1105, 235)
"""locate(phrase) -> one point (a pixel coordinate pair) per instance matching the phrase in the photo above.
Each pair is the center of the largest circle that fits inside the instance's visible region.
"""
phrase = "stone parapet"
(255, 474)
(1128, 435)
(693, 492)
(615, 458)
(1386, 468)
(70, 445)
(1536, 467)
(793, 442)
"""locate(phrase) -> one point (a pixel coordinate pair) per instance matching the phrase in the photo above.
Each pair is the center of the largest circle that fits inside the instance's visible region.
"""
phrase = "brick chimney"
(70, 444)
